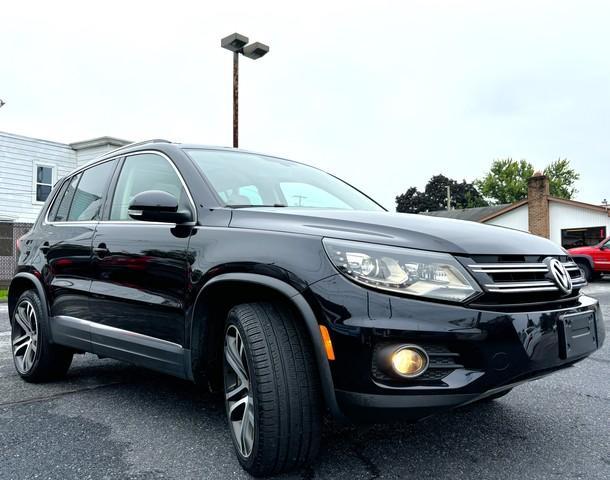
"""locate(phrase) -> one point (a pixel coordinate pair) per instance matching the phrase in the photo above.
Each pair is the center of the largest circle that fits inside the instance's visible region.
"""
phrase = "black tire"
(283, 386)
(45, 361)
(495, 396)
(586, 271)
(596, 276)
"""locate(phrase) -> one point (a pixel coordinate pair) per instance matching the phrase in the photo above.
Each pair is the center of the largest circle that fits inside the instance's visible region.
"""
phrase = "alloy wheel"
(238, 394)
(24, 336)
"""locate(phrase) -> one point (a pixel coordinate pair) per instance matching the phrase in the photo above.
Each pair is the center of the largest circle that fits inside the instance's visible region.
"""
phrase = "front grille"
(442, 362)
(517, 280)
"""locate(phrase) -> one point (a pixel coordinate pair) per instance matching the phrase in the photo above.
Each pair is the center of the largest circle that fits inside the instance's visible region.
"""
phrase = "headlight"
(402, 270)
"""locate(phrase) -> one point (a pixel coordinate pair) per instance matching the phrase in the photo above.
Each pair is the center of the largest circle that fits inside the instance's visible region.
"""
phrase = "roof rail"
(144, 142)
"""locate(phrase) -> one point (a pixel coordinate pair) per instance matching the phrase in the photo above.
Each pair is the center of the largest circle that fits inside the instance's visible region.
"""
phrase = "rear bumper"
(489, 351)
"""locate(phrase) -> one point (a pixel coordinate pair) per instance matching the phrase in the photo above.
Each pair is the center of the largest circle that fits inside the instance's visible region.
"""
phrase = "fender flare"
(587, 258)
(39, 289)
(298, 301)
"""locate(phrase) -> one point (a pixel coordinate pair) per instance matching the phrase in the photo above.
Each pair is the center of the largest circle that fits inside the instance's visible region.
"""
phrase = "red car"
(593, 261)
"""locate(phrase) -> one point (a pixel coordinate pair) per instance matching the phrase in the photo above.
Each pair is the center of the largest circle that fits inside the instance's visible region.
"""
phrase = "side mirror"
(157, 206)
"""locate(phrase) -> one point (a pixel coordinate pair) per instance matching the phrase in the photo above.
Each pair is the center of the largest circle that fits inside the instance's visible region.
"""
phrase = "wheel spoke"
(235, 362)
(21, 343)
(27, 361)
(237, 391)
(21, 320)
(235, 406)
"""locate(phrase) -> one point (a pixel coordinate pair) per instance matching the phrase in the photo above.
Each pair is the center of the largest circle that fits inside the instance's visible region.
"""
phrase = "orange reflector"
(328, 345)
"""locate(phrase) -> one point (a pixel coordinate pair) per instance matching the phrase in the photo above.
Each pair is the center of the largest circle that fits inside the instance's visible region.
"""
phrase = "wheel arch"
(583, 258)
(226, 290)
(22, 282)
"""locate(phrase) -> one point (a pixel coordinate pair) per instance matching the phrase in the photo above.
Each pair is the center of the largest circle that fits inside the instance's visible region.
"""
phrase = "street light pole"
(235, 99)
(237, 44)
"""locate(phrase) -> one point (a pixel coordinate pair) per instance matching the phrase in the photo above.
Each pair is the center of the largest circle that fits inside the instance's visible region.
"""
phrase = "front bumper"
(490, 351)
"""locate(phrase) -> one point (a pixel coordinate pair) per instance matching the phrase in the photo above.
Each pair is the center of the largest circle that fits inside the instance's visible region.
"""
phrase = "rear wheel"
(272, 391)
(35, 358)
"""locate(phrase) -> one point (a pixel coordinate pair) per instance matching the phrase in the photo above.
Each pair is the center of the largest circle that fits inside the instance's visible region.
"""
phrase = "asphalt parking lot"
(111, 420)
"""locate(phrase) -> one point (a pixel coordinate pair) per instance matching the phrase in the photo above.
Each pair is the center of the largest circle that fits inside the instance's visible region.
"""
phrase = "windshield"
(248, 180)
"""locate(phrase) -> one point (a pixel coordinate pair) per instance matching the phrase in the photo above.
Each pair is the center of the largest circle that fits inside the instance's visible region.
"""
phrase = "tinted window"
(235, 176)
(61, 206)
(87, 201)
(57, 201)
(141, 173)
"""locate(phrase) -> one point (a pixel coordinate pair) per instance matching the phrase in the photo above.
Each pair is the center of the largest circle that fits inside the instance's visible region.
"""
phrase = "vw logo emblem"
(559, 275)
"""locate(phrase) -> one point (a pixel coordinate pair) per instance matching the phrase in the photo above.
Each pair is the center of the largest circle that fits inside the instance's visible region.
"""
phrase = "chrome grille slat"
(532, 284)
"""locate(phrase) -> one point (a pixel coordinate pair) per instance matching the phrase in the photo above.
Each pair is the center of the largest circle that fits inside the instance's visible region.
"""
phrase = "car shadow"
(433, 448)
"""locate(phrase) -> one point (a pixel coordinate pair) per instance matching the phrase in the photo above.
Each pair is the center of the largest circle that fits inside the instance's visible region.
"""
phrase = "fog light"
(409, 361)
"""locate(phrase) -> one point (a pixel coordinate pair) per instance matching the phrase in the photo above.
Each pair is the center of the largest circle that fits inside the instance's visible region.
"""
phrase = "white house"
(566, 222)
(29, 167)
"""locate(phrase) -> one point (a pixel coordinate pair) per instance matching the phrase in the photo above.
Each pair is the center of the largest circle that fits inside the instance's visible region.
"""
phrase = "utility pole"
(448, 197)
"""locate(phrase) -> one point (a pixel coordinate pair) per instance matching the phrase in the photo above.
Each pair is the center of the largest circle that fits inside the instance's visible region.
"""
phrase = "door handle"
(44, 248)
(101, 250)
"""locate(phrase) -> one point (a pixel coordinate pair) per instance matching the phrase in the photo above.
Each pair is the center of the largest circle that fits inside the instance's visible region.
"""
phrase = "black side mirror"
(158, 206)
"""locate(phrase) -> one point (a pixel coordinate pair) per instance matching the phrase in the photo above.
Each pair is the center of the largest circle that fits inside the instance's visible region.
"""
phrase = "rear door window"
(61, 206)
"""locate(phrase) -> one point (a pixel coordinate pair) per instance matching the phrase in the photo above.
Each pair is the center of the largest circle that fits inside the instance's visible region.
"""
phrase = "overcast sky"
(384, 94)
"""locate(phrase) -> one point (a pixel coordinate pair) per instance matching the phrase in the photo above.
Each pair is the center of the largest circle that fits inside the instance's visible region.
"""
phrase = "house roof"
(99, 142)
(484, 214)
(475, 214)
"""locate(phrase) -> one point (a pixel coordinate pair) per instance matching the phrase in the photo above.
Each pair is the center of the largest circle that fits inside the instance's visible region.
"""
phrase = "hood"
(581, 250)
(400, 229)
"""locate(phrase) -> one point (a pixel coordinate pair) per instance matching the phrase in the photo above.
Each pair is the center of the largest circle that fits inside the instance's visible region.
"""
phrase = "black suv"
(290, 291)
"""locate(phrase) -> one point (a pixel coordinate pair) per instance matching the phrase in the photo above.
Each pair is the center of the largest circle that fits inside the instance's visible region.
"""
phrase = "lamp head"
(234, 42)
(255, 50)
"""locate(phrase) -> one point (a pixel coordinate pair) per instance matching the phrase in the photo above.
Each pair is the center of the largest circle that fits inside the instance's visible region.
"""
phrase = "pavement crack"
(58, 395)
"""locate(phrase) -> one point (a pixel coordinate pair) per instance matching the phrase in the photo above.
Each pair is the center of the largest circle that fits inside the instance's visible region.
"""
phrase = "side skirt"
(148, 352)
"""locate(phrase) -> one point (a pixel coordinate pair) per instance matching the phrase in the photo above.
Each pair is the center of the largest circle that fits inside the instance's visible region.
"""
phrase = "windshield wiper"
(275, 205)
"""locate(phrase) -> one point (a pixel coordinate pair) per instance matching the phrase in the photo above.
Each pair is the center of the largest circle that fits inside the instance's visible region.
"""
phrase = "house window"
(44, 181)
(6, 239)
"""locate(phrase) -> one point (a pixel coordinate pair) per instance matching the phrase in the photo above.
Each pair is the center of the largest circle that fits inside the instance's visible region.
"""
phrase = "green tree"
(562, 178)
(506, 181)
(434, 196)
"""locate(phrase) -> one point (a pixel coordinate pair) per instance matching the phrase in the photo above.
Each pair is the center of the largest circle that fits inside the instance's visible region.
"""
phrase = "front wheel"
(272, 390)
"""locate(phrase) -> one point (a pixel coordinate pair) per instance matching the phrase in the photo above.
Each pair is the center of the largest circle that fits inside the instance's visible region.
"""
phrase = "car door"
(602, 262)
(66, 236)
(140, 271)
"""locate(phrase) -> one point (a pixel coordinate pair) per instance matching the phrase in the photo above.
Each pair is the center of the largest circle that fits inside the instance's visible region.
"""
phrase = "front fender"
(298, 301)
